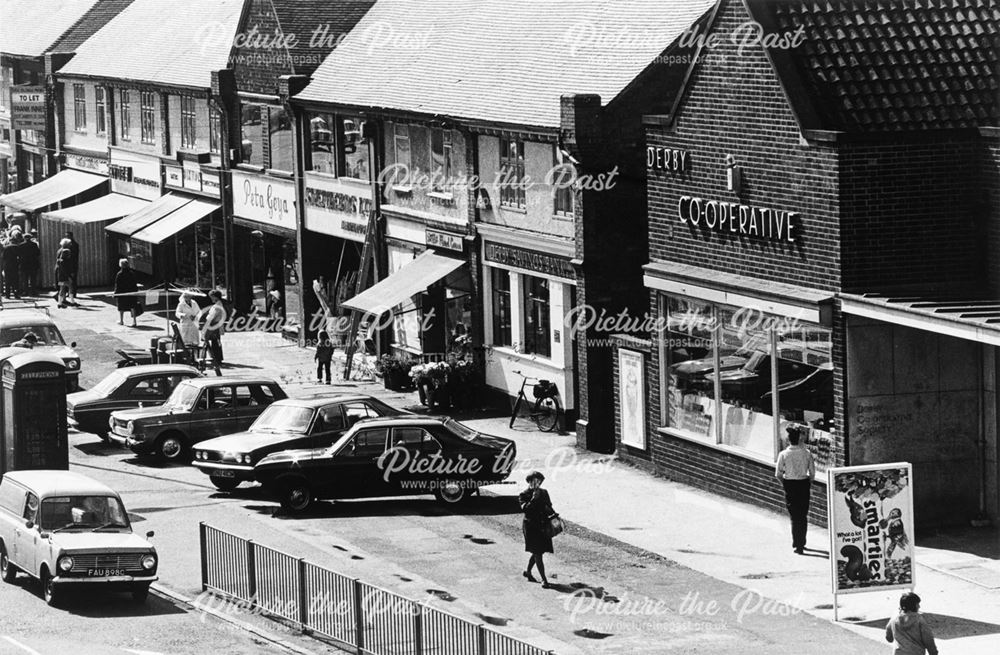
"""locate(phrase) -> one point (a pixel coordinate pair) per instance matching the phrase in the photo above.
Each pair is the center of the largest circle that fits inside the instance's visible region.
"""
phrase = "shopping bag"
(554, 525)
(139, 307)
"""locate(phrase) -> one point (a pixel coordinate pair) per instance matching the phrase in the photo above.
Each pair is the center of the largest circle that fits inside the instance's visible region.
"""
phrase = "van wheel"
(49, 589)
(7, 570)
(140, 594)
(450, 492)
(296, 496)
(171, 447)
(224, 484)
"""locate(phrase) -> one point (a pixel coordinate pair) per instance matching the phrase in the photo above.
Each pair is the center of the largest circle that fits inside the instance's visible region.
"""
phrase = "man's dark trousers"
(797, 500)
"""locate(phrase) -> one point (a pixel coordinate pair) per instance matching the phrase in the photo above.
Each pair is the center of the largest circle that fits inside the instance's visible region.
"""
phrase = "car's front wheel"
(450, 492)
(224, 484)
(49, 592)
(171, 447)
(295, 495)
(7, 570)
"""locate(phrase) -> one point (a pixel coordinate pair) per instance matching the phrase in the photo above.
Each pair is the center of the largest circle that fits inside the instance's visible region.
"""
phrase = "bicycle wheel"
(546, 414)
(514, 412)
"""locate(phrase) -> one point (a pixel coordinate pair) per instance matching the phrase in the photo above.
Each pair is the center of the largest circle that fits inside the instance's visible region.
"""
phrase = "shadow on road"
(946, 626)
(98, 603)
(481, 506)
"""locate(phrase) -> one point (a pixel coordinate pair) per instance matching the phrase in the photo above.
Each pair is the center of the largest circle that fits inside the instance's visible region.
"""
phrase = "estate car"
(198, 409)
(15, 323)
(287, 424)
(67, 530)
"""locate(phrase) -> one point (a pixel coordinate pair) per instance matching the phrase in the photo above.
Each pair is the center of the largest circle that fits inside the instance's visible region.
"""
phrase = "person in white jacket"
(187, 320)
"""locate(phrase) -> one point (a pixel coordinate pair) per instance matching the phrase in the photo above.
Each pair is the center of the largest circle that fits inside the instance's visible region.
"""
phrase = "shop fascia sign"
(667, 159)
(264, 199)
(338, 209)
(87, 163)
(27, 107)
(735, 218)
(191, 177)
(134, 174)
(529, 260)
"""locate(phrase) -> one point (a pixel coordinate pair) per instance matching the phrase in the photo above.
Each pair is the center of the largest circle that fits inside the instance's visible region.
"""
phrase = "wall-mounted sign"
(667, 159)
(87, 163)
(174, 176)
(27, 107)
(446, 240)
(135, 175)
(263, 199)
(191, 177)
(337, 207)
(632, 398)
(771, 224)
(530, 260)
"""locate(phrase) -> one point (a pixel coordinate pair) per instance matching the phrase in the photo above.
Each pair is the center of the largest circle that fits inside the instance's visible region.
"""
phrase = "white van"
(67, 530)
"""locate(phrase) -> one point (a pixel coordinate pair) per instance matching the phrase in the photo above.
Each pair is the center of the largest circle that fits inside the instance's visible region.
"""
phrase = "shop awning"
(106, 208)
(64, 184)
(148, 215)
(408, 281)
(175, 222)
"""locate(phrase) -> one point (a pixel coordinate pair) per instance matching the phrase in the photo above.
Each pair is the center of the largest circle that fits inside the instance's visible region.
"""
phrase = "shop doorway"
(274, 279)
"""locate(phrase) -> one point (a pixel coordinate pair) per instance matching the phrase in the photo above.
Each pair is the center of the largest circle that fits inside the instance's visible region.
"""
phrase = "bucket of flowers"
(395, 372)
(431, 380)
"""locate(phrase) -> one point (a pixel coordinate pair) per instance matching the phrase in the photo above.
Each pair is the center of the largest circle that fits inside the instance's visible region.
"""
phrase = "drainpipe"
(288, 86)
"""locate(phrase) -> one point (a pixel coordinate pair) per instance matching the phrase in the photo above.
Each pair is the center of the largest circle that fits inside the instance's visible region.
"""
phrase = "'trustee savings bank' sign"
(531, 260)
(264, 199)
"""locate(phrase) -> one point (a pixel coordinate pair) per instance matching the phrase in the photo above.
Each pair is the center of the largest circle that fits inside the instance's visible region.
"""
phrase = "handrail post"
(481, 639)
(303, 597)
(203, 547)
(251, 574)
(418, 628)
(359, 619)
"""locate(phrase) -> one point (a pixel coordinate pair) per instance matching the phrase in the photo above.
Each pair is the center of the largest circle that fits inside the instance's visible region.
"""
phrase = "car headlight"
(247, 459)
(111, 421)
(199, 455)
(73, 364)
(65, 564)
(130, 426)
(149, 562)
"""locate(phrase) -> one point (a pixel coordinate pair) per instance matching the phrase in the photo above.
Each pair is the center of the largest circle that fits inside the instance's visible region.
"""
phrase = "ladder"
(368, 264)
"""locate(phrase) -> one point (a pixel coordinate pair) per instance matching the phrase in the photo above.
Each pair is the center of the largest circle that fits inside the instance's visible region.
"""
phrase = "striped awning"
(408, 281)
(61, 186)
(175, 222)
(148, 215)
(106, 208)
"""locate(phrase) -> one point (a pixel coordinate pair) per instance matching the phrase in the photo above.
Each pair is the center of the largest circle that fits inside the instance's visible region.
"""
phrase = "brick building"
(822, 234)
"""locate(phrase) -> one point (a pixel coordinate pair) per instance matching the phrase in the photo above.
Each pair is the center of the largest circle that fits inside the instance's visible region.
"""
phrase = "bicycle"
(545, 410)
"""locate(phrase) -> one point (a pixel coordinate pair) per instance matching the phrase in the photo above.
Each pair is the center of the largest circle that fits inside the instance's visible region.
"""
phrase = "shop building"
(825, 258)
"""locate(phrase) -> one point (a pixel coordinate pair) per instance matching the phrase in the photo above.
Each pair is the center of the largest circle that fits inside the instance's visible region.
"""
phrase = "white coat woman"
(187, 320)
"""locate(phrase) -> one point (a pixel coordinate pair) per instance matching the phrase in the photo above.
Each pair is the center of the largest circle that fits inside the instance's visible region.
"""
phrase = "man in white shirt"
(795, 469)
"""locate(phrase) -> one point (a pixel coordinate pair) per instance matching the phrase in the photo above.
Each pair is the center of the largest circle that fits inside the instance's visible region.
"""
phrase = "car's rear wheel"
(171, 447)
(49, 592)
(450, 492)
(295, 494)
(7, 570)
(104, 435)
(140, 594)
(224, 484)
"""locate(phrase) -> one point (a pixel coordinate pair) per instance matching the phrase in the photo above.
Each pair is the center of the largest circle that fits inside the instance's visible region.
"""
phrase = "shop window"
(147, 116)
(102, 108)
(214, 129)
(280, 134)
(355, 154)
(79, 108)
(689, 357)
(512, 173)
(125, 110)
(562, 186)
(745, 380)
(322, 144)
(805, 388)
(501, 307)
(537, 335)
(401, 147)
(252, 127)
(189, 123)
(441, 161)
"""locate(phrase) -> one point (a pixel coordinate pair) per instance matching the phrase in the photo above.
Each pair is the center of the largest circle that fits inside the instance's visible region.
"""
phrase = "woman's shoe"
(528, 576)
(546, 585)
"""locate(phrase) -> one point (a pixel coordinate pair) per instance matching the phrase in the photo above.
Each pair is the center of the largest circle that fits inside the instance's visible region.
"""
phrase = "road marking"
(26, 649)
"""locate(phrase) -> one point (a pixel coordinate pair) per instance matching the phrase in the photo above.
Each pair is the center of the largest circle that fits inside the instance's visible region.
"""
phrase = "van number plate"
(101, 573)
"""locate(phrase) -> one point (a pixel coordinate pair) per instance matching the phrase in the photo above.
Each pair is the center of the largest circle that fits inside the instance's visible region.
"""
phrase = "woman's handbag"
(554, 525)
(139, 307)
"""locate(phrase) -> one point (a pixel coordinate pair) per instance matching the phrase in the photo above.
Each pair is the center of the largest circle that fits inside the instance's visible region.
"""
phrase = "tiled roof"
(180, 43)
(30, 27)
(503, 61)
(96, 18)
(887, 65)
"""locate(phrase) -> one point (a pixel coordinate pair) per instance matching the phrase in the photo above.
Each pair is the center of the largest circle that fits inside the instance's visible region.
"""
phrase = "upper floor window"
(354, 154)
(280, 135)
(147, 116)
(512, 173)
(79, 108)
(441, 161)
(214, 129)
(189, 122)
(102, 108)
(252, 145)
(401, 146)
(562, 186)
(4, 86)
(125, 108)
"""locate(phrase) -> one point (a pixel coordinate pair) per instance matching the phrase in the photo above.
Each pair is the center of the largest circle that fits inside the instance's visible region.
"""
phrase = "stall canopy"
(64, 184)
(105, 208)
(174, 222)
(148, 215)
(408, 281)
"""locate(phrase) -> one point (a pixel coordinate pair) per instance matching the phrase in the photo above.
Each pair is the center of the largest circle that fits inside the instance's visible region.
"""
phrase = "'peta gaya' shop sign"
(744, 220)
(264, 199)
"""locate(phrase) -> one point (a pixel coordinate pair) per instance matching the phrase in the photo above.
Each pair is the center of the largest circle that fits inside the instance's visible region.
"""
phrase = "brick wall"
(989, 158)
(257, 70)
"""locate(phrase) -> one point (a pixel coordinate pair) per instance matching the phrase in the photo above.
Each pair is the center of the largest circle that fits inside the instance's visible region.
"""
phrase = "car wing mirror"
(29, 524)
(150, 534)
(72, 344)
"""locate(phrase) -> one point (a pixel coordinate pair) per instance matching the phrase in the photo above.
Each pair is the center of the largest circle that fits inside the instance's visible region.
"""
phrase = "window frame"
(101, 108)
(147, 117)
(79, 108)
(512, 157)
(563, 197)
(441, 183)
(498, 297)
(214, 129)
(401, 133)
(189, 123)
(529, 305)
(125, 113)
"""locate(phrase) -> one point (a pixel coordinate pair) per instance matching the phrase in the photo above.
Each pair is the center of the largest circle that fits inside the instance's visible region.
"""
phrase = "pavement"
(957, 573)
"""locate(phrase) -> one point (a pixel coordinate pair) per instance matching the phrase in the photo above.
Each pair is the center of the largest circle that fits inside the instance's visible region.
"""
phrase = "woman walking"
(187, 320)
(537, 511)
(63, 256)
(125, 286)
(215, 325)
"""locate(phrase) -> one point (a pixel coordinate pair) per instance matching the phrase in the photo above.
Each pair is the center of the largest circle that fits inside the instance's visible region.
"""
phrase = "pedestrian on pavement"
(187, 319)
(796, 468)
(31, 260)
(215, 327)
(125, 290)
(74, 264)
(909, 628)
(29, 340)
(537, 509)
(324, 356)
(12, 266)
(63, 256)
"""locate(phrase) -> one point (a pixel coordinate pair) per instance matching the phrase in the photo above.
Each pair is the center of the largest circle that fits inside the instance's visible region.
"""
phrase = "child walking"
(909, 628)
(324, 355)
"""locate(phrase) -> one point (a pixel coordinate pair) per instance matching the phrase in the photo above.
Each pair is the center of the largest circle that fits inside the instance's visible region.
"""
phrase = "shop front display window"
(805, 393)
(537, 332)
(689, 354)
(501, 307)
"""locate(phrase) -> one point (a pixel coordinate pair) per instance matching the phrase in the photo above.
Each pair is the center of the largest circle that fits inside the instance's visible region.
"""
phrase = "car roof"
(215, 382)
(19, 317)
(59, 483)
(321, 400)
(156, 368)
(391, 421)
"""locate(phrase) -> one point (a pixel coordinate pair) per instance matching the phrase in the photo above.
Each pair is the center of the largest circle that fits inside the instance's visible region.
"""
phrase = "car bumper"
(138, 446)
(221, 469)
(114, 580)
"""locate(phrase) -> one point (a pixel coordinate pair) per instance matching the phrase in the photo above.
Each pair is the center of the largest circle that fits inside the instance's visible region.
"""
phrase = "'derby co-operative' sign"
(734, 218)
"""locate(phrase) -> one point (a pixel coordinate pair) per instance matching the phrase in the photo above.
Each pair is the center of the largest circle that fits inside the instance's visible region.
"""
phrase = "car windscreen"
(283, 418)
(67, 513)
(48, 335)
(461, 429)
(183, 397)
(107, 386)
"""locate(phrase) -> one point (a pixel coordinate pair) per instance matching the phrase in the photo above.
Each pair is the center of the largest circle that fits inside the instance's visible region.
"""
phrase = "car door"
(251, 399)
(214, 414)
(328, 426)
(412, 460)
(356, 472)
(25, 538)
(357, 410)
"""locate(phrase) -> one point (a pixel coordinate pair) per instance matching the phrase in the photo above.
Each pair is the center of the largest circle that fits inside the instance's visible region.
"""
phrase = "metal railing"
(353, 614)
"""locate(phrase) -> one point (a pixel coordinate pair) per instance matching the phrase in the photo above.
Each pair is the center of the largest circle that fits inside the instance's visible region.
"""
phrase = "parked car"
(67, 531)
(15, 323)
(287, 424)
(393, 456)
(198, 409)
(124, 388)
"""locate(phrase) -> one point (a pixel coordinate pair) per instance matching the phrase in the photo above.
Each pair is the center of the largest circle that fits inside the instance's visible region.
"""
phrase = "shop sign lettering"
(264, 200)
(27, 107)
(83, 162)
(337, 208)
(437, 239)
(734, 218)
(667, 159)
(531, 260)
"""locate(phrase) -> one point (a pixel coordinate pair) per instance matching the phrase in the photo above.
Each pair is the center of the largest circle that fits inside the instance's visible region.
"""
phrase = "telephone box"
(33, 411)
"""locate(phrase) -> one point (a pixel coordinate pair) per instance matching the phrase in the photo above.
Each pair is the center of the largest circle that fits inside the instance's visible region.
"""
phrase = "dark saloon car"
(401, 456)
(292, 423)
(199, 409)
(124, 388)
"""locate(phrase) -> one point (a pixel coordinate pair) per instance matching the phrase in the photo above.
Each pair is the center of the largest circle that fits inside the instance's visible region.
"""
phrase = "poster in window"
(871, 527)
(632, 398)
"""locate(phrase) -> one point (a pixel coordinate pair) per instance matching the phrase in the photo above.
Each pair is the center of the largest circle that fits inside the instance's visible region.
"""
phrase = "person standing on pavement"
(12, 266)
(187, 320)
(125, 290)
(31, 260)
(324, 356)
(796, 468)
(909, 629)
(74, 264)
(537, 509)
(215, 327)
(63, 255)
